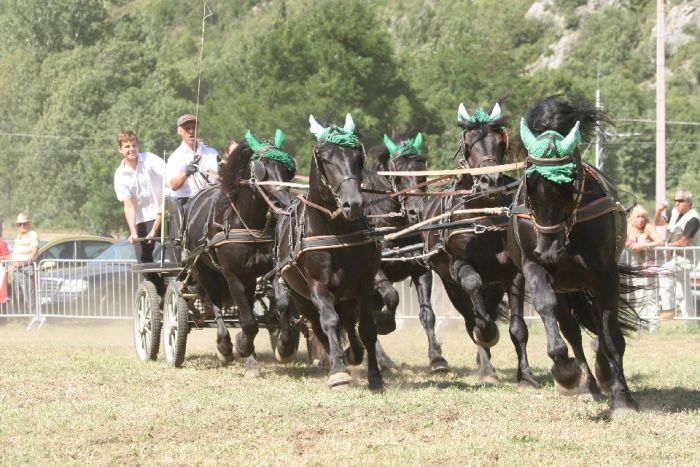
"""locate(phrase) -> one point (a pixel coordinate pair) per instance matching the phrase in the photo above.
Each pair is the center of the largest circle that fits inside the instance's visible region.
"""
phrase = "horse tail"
(632, 280)
(627, 317)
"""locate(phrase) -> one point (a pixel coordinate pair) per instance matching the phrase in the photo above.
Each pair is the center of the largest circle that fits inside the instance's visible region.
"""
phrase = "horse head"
(338, 161)
(260, 161)
(404, 155)
(554, 175)
(483, 143)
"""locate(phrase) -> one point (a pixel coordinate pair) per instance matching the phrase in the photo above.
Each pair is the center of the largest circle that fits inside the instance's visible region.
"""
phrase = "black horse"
(327, 257)
(229, 240)
(566, 236)
(398, 212)
(471, 259)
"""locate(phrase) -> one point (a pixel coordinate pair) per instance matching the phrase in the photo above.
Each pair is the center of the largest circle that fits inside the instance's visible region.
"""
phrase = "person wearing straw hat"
(23, 255)
(138, 183)
(193, 165)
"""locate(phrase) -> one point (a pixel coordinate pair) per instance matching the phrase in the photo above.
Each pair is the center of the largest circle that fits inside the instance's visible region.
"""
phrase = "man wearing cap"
(194, 165)
(23, 256)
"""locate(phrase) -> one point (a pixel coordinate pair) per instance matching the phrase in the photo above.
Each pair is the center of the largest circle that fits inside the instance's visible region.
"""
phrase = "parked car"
(103, 285)
(72, 247)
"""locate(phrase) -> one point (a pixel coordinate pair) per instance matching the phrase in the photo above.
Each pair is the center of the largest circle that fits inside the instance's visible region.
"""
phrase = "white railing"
(675, 290)
(95, 289)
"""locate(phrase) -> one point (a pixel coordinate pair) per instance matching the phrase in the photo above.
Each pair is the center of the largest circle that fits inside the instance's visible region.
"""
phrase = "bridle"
(395, 188)
(318, 161)
(567, 224)
(466, 150)
(268, 193)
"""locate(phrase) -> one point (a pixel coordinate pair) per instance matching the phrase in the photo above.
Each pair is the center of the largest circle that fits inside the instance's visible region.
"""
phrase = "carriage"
(184, 301)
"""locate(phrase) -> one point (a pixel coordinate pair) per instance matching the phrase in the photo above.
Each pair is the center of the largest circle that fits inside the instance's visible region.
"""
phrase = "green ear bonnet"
(549, 145)
(479, 116)
(344, 136)
(410, 147)
(268, 150)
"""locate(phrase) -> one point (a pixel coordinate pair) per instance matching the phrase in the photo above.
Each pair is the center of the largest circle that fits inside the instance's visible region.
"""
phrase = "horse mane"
(236, 168)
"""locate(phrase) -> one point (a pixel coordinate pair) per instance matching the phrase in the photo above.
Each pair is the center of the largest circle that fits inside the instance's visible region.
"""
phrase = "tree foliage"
(74, 72)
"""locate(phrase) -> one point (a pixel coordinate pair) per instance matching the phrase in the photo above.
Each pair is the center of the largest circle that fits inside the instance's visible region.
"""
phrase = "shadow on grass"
(667, 400)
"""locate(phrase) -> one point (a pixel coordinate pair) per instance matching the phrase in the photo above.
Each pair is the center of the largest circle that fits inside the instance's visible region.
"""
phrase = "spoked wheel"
(147, 322)
(175, 325)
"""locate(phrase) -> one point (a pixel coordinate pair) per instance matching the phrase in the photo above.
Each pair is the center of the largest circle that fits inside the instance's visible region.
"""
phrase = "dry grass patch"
(76, 394)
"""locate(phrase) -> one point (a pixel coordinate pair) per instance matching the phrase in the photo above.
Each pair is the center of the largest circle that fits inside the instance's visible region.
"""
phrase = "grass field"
(75, 394)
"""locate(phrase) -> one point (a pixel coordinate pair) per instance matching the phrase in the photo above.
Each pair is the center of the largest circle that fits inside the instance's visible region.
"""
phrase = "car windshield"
(118, 251)
(123, 250)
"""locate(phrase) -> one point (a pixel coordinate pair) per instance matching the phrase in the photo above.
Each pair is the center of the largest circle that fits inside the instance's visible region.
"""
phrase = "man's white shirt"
(208, 169)
(144, 185)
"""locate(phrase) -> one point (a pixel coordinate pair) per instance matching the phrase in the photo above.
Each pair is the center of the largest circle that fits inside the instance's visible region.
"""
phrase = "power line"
(668, 122)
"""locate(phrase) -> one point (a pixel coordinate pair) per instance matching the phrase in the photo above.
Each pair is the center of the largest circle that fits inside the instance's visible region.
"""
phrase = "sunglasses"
(20, 224)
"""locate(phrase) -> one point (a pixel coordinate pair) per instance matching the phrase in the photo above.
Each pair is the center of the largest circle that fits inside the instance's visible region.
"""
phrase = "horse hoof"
(341, 378)
(569, 380)
(285, 359)
(223, 358)
(439, 365)
(240, 349)
(489, 380)
(486, 343)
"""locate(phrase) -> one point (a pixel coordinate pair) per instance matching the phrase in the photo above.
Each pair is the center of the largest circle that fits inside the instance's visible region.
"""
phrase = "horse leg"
(224, 346)
(385, 307)
(486, 332)
(243, 297)
(566, 371)
(368, 335)
(288, 338)
(355, 353)
(588, 388)
(323, 300)
(518, 331)
(487, 373)
(424, 285)
(612, 343)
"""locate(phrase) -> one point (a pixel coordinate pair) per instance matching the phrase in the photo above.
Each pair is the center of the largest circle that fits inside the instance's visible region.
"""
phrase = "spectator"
(4, 255)
(642, 238)
(680, 231)
(23, 256)
(138, 182)
(194, 165)
(4, 251)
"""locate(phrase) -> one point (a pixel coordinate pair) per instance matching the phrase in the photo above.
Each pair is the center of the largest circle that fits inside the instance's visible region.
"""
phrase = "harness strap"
(311, 204)
(592, 210)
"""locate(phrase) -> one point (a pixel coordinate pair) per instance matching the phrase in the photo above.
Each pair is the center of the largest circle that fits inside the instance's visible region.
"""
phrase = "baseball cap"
(186, 118)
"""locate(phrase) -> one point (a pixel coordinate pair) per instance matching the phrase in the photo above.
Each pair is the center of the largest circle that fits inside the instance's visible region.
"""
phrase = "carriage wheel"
(147, 322)
(175, 325)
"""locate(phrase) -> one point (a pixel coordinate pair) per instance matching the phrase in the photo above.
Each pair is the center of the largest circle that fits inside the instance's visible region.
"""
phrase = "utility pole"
(660, 104)
(599, 131)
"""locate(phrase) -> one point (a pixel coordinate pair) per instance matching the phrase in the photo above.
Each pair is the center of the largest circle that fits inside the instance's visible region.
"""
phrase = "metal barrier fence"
(98, 289)
(94, 289)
